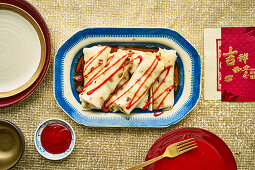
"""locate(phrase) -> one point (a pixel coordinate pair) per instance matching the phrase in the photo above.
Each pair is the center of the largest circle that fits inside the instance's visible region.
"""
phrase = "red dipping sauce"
(56, 138)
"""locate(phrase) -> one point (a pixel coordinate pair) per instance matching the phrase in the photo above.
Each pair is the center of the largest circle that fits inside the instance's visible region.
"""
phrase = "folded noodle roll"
(95, 58)
(144, 100)
(104, 83)
(108, 105)
(137, 59)
(140, 82)
(163, 88)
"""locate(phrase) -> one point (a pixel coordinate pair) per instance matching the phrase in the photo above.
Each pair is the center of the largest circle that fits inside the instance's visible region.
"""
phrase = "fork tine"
(186, 146)
(183, 141)
(186, 150)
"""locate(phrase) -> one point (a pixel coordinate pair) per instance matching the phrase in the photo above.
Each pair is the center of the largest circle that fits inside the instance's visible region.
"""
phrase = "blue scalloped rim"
(128, 121)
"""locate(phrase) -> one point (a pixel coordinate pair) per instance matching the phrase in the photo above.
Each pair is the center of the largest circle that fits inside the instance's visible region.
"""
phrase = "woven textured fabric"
(119, 148)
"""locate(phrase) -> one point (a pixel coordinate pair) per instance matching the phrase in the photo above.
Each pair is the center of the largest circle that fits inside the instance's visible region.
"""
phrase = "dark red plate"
(212, 152)
(5, 102)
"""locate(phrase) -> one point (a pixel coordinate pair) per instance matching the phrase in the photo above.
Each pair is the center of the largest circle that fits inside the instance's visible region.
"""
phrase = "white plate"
(22, 50)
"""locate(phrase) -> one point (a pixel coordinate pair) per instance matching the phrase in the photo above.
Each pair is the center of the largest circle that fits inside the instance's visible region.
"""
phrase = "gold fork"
(171, 152)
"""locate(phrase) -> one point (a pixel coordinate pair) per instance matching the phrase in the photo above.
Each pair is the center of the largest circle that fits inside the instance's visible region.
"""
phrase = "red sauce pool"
(56, 138)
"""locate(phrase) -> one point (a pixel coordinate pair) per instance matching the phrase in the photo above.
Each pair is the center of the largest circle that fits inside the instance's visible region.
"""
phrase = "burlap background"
(119, 148)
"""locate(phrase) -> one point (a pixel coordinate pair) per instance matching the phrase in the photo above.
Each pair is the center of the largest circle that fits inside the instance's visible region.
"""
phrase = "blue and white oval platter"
(188, 62)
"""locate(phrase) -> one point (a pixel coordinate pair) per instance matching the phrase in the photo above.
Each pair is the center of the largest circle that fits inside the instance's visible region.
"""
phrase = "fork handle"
(146, 163)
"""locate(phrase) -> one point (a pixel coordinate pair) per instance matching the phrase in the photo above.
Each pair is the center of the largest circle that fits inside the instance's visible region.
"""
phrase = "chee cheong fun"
(95, 59)
(104, 82)
(162, 94)
(140, 82)
(127, 79)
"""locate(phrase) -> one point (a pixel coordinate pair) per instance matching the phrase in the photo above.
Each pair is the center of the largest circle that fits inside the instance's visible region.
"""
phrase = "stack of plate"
(24, 50)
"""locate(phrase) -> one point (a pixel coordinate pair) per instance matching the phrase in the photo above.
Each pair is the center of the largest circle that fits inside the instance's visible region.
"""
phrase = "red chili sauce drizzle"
(133, 86)
(91, 59)
(94, 77)
(79, 70)
(130, 104)
(56, 138)
(106, 108)
(108, 78)
(168, 90)
(79, 81)
(152, 96)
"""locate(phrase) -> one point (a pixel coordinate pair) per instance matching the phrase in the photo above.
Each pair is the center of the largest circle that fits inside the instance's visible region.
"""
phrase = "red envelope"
(238, 64)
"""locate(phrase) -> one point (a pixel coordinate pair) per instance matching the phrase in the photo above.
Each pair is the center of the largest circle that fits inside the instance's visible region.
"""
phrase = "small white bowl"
(39, 147)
